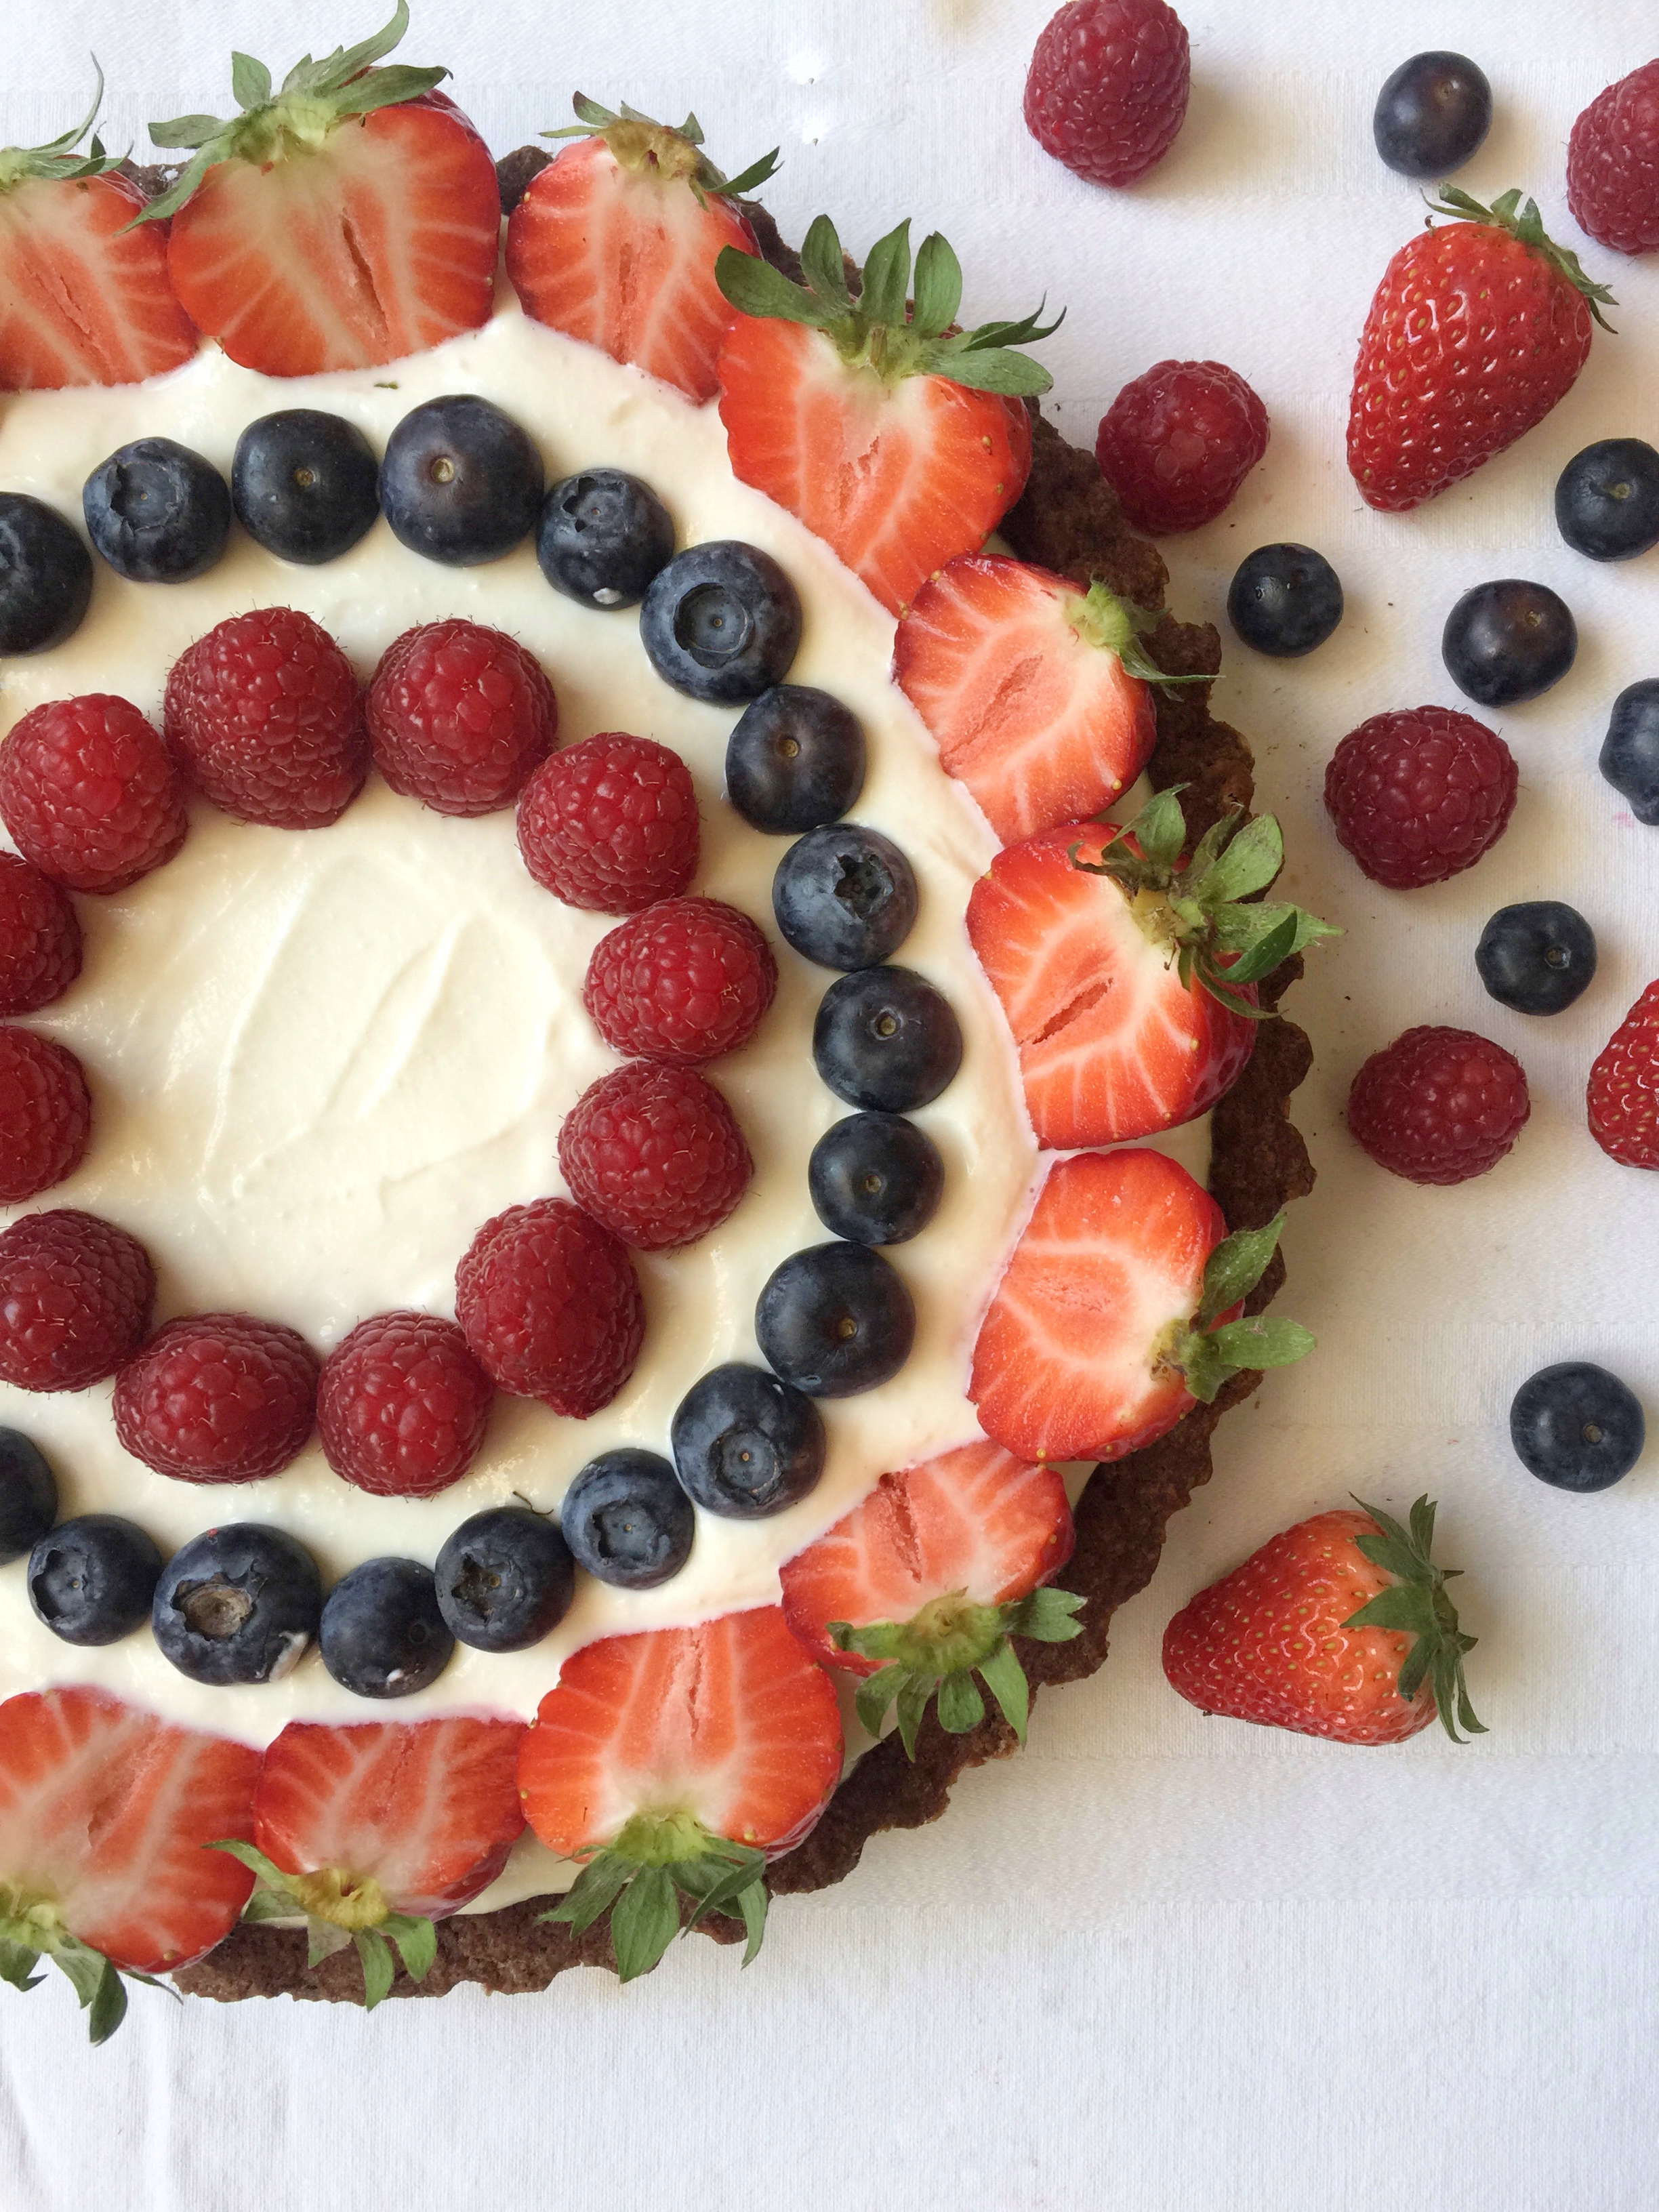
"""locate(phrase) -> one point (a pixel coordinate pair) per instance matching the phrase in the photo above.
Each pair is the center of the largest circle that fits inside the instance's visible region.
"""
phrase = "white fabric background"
(1159, 1962)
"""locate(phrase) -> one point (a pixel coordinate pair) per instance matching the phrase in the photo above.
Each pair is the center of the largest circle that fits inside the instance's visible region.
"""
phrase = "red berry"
(551, 1306)
(265, 716)
(687, 980)
(401, 1406)
(610, 823)
(1177, 443)
(1418, 796)
(655, 1153)
(1438, 1105)
(458, 716)
(40, 938)
(75, 1299)
(1107, 87)
(46, 1114)
(89, 793)
(218, 1397)
(1623, 1096)
(1613, 164)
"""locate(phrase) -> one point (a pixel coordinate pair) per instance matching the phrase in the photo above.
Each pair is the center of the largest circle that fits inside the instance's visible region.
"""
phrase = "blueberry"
(603, 535)
(1630, 750)
(306, 485)
(845, 897)
(885, 1039)
(382, 1634)
(157, 513)
(1607, 500)
(745, 1445)
(238, 1604)
(1536, 959)
(45, 575)
(627, 1520)
(795, 760)
(1432, 114)
(461, 482)
(28, 1496)
(721, 622)
(1285, 599)
(505, 1579)
(1508, 641)
(92, 1580)
(1577, 1426)
(875, 1179)
(836, 1319)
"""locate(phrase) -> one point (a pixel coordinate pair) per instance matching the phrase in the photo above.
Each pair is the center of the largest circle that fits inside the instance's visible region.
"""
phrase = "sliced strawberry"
(1036, 693)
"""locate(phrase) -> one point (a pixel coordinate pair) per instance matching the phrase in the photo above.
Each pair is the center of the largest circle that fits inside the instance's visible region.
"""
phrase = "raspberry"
(40, 938)
(655, 1154)
(265, 717)
(610, 823)
(218, 1397)
(1107, 87)
(401, 1406)
(1177, 442)
(458, 715)
(1438, 1105)
(686, 981)
(1623, 1094)
(75, 1299)
(551, 1307)
(1419, 795)
(89, 794)
(46, 1114)
(1613, 164)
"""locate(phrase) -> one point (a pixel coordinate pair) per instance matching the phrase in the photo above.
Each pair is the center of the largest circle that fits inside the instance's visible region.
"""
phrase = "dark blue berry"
(1284, 600)
(1577, 1426)
(1607, 500)
(238, 1604)
(844, 896)
(1432, 114)
(875, 1179)
(603, 536)
(461, 482)
(1630, 750)
(1536, 959)
(92, 1580)
(627, 1520)
(1508, 641)
(505, 1579)
(721, 622)
(306, 485)
(885, 1039)
(382, 1634)
(745, 1445)
(45, 575)
(28, 1496)
(157, 513)
(795, 760)
(836, 1319)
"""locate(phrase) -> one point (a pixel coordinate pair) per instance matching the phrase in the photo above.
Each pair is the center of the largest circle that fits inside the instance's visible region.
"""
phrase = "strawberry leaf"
(1417, 1605)
(960, 1706)
(1261, 1342)
(824, 267)
(875, 1694)
(644, 1921)
(939, 287)
(749, 179)
(1047, 1617)
(1012, 375)
(1005, 1678)
(17, 1965)
(250, 81)
(1235, 1267)
(593, 1891)
(379, 1971)
(754, 287)
(914, 1692)
(1253, 857)
(417, 1939)
(256, 1861)
(887, 278)
(324, 1938)
(752, 1903)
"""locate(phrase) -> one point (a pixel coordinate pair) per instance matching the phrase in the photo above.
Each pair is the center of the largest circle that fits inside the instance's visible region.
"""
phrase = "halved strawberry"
(680, 1761)
(899, 440)
(1114, 1312)
(1036, 694)
(104, 1815)
(350, 219)
(616, 240)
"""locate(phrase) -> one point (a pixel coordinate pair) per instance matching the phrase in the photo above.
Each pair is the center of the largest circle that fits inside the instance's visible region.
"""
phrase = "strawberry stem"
(338, 1909)
(645, 147)
(1206, 1355)
(58, 159)
(639, 1878)
(941, 1649)
(1114, 625)
(32, 1927)
(1418, 1606)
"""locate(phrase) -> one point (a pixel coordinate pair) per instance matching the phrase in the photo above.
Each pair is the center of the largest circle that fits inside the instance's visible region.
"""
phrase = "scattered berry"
(1438, 1105)
(835, 1320)
(1613, 164)
(75, 1299)
(746, 1445)
(265, 716)
(505, 1579)
(875, 1179)
(844, 896)
(458, 716)
(627, 1520)
(1630, 752)
(461, 482)
(1419, 795)
(1433, 115)
(40, 938)
(1623, 1094)
(720, 621)
(28, 1496)
(794, 760)
(401, 1406)
(218, 1397)
(1108, 86)
(1536, 959)
(381, 1634)
(885, 1039)
(237, 1604)
(92, 1580)
(45, 576)
(602, 538)
(46, 1114)
(1177, 442)
(611, 824)
(158, 513)
(1607, 500)
(551, 1307)
(1508, 641)
(1284, 600)
(655, 1153)
(90, 794)
(305, 485)
(687, 981)
(1576, 1426)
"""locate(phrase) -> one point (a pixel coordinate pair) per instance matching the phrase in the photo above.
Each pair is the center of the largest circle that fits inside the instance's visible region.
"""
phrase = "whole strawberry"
(1340, 1627)
(1623, 1097)
(1613, 164)
(1477, 329)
